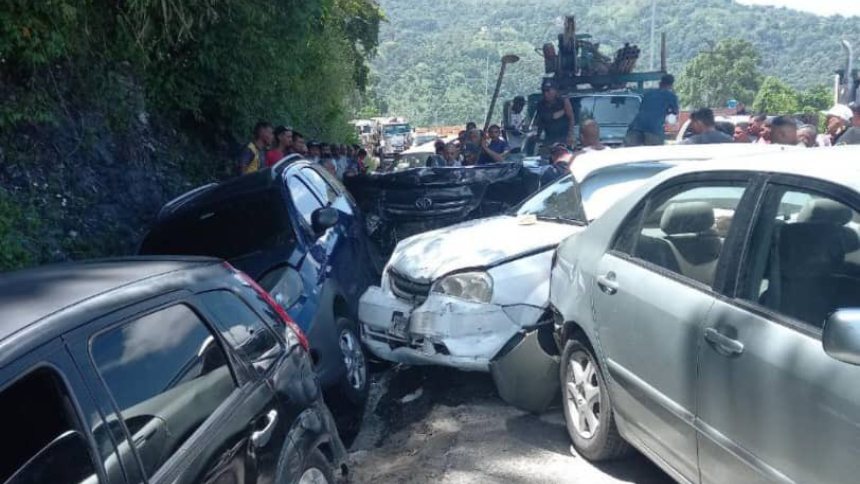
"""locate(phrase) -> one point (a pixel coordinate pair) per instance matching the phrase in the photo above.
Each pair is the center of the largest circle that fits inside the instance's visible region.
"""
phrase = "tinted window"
(805, 256)
(243, 329)
(231, 229)
(684, 230)
(304, 199)
(36, 411)
(167, 373)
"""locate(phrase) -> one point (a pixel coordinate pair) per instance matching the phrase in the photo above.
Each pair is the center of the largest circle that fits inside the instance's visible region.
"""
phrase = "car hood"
(475, 244)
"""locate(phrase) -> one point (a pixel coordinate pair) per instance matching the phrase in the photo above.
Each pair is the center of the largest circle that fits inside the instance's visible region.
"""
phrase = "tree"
(816, 99)
(728, 71)
(775, 97)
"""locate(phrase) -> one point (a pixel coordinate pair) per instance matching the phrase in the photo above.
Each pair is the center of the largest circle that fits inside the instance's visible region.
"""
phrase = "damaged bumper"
(442, 330)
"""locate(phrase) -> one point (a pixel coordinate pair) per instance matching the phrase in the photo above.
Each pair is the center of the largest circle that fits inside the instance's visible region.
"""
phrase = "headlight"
(472, 286)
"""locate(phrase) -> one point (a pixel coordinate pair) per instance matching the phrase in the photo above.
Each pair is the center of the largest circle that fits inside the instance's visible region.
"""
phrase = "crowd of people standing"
(271, 144)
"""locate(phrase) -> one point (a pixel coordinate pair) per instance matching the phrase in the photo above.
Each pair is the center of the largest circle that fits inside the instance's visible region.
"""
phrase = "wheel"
(587, 406)
(355, 382)
(316, 469)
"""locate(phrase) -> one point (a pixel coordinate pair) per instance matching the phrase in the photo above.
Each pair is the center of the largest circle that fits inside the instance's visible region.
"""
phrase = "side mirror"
(841, 336)
(323, 219)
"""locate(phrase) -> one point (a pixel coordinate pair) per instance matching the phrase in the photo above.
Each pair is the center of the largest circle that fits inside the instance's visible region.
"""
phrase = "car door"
(43, 413)
(653, 293)
(192, 412)
(313, 266)
(773, 406)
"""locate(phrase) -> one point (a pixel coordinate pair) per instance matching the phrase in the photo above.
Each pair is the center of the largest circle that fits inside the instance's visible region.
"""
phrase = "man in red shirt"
(283, 143)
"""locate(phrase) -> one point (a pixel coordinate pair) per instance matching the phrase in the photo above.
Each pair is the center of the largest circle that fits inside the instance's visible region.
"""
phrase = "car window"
(684, 229)
(561, 200)
(47, 446)
(167, 374)
(236, 227)
(243, 329)
(804, 257)
(304, 199)
(602, 188)
(323, 188)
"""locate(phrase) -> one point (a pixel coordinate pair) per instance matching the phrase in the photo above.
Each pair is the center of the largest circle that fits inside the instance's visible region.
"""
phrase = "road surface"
(436, 425)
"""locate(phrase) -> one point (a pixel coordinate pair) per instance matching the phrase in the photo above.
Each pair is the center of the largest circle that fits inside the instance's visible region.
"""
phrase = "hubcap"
(353, 358)
(313, 476)
(582, 395)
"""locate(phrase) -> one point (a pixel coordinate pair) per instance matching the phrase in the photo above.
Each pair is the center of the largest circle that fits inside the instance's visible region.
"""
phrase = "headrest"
(810, 249)
(687, 218)
(825, 211)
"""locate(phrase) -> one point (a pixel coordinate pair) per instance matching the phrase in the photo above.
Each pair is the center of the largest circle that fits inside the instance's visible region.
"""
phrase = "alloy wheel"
(582, 394)
(353, 358)
(313, 476)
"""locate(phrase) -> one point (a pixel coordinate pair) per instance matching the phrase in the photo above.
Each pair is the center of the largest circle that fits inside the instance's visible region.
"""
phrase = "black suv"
(156, 370)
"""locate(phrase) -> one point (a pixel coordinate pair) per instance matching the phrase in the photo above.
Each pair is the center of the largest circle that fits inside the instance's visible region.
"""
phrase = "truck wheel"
(355, 383)
(587, 405)
(316, 469)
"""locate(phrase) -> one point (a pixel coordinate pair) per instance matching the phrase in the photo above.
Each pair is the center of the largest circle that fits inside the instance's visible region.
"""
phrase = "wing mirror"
(841, 337)
(323, 219)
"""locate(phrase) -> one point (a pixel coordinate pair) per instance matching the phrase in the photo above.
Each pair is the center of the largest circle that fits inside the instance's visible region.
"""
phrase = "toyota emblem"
(423, 203)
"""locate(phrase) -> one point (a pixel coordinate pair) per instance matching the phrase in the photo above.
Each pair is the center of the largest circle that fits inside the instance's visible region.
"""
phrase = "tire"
(355, 383)
(589, 416)
(316, 469)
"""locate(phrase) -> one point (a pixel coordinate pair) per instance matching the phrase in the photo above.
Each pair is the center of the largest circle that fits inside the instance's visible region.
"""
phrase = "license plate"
(399, 325)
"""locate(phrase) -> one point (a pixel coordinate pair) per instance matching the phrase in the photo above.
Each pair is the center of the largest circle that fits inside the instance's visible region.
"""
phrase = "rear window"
(47, 446)
(606, 109)
(228, 230)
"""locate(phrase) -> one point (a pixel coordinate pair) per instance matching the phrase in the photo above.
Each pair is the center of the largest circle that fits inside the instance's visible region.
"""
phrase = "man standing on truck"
(555, 116)
(647, 126)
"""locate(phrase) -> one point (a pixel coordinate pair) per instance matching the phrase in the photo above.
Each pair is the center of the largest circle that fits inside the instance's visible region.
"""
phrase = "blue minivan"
(297, 232)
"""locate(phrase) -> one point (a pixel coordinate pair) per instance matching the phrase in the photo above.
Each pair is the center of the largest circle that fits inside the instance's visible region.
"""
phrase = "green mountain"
(438, 59)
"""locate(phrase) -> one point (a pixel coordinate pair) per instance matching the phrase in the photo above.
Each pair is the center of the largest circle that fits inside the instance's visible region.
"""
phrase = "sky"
(820, 7)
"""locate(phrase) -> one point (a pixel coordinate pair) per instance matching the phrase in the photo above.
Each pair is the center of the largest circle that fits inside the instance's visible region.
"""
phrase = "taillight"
(277, 308)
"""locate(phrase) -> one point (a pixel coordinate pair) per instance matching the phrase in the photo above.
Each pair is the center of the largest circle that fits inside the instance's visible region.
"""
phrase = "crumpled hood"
(474, 244)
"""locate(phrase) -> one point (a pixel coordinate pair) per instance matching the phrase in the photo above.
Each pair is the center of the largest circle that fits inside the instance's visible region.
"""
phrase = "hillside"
(438, 59)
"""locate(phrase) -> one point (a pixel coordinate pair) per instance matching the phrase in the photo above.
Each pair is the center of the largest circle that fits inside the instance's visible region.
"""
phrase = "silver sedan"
(712, 321)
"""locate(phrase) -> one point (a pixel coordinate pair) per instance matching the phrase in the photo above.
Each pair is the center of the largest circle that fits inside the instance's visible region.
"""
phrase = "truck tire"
(316, 469)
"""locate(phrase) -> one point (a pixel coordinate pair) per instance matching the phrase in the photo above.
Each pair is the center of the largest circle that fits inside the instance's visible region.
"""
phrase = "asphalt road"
(435, 425)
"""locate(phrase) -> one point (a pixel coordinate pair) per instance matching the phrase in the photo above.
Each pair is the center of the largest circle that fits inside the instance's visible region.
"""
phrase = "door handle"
(261, 437)
(607, 283)
(722, 343)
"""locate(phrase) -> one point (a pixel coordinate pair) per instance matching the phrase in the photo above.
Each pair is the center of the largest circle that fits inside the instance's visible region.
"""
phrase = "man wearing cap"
(837, 120)
(852, 134)
(560, 157)
(647, 126)
(554, 116)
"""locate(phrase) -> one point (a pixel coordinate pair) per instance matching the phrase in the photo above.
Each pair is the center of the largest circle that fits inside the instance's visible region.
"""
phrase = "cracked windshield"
(407, 241)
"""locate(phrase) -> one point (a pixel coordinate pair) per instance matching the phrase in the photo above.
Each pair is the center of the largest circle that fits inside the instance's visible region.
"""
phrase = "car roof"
(587, 163)
(31, 295)
(836, 165)
(215, 193)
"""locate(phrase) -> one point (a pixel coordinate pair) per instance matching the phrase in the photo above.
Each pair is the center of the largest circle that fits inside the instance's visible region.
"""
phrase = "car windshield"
(599, 191)
(396, 129)
(606, 110)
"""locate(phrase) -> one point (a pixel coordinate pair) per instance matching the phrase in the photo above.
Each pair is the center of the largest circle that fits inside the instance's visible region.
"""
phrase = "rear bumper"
(442, 330)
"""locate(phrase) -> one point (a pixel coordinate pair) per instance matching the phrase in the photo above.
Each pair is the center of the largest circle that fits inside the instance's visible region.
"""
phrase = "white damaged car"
(474, 295)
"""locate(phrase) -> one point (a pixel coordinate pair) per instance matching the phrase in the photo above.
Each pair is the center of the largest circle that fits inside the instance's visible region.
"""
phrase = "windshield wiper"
(563, 220)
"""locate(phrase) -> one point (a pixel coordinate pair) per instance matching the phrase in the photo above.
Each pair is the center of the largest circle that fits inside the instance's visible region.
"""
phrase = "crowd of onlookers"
(273, 144)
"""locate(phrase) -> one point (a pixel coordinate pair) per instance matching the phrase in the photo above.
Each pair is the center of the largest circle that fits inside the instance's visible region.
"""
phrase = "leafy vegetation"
(728, 71)
(438, 59)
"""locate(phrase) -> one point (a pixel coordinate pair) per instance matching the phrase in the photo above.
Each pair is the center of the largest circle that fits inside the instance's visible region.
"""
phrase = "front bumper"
(442, 330)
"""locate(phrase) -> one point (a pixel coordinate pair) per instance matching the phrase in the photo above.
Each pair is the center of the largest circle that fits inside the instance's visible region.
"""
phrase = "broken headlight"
(472, 286)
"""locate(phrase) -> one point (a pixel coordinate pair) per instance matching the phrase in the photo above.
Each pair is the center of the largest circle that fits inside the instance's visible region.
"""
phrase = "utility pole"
(487, 78)
(653, 15)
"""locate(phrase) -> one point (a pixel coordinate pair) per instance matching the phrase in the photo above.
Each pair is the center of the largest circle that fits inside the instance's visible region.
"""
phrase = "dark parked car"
(295, 230)
(156, 370)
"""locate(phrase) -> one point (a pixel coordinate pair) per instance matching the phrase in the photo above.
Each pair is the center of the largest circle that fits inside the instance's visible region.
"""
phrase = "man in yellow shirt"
(252, 156)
